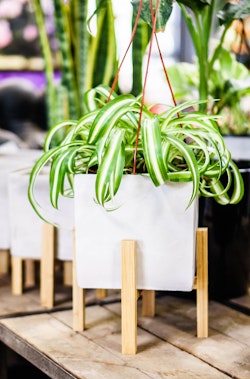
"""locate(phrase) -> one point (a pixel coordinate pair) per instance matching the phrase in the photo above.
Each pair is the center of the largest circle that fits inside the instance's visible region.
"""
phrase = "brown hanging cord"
(154, 14)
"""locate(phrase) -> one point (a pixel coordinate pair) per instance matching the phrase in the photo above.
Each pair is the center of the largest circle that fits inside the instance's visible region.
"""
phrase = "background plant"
(215, 74)
(85, 58)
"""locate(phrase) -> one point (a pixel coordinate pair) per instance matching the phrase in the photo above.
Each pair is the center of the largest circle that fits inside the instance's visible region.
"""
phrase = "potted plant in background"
(118, 140)
(217, 75)
(87, 53)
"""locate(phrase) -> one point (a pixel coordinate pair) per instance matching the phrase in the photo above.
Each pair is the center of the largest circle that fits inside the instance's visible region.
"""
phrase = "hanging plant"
(119, 135)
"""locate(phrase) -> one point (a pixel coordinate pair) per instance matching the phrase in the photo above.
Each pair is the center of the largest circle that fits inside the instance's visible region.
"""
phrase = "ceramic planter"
(26, 226)
(9, 162)
(156, 217)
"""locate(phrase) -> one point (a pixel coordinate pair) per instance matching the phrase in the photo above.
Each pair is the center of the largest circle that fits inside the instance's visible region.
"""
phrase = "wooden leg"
(202, 282)
(78, 299)
(17, 275)
(29, 273)
(47, 266)
(4, 261)
(101, 293)
(148, 303)
(129, 298)
(67, 273)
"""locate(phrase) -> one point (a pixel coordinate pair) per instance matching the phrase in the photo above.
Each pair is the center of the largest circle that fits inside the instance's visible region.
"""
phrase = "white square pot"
(26, 225)
(156, 217)
(9, 162)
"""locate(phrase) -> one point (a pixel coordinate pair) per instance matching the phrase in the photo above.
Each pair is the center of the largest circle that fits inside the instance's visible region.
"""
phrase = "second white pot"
(26, 226)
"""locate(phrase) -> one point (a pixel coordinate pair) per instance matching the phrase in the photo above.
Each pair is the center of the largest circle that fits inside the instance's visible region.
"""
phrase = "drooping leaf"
(108, 115)
(152, 146)
(189, 156)
(238, 191)
(112, 154)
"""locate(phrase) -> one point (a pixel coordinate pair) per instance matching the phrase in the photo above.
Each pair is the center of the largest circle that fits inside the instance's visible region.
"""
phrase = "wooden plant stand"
(4, 261)
(22, 274)
(47, 269)
(129, 294)
(23, 269)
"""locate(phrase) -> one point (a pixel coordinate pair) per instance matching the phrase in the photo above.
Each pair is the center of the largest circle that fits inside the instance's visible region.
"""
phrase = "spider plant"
(119, 135)
(175, 145)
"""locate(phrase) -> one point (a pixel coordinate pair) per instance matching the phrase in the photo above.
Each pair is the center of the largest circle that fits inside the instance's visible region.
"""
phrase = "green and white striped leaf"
(109, 115)
(107, 165)
(152, 149)
(189, 157)
(238, 191)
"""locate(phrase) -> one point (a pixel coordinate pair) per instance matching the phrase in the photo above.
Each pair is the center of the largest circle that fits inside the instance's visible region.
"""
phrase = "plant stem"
(218, 49)
(48, 63)
(199, 28)
(140, 43)
(63, 30)
(81, 44)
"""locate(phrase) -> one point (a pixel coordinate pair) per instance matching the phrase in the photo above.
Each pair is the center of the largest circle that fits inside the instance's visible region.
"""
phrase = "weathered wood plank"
(49, 342)
(167, 343)
(4, 261)
(31, 354)
(242, 301)
(16, 304)
(29, 301)
(227, 347)
(154, 356)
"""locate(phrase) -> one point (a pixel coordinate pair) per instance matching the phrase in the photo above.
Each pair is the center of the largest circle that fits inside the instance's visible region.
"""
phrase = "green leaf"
(195, 4)
(234, 11)
(164, 12)
(104, 46)
(56, 129)
(191, 162)
(139, 45)
(60, 168)
(90, 99)
(219, 192)
(107, 166)
(238, 191)
(45, 158)
(152, 148)
(108, 116)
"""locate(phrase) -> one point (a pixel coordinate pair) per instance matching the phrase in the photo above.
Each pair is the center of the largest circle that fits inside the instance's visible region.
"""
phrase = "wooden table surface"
(167, 344)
